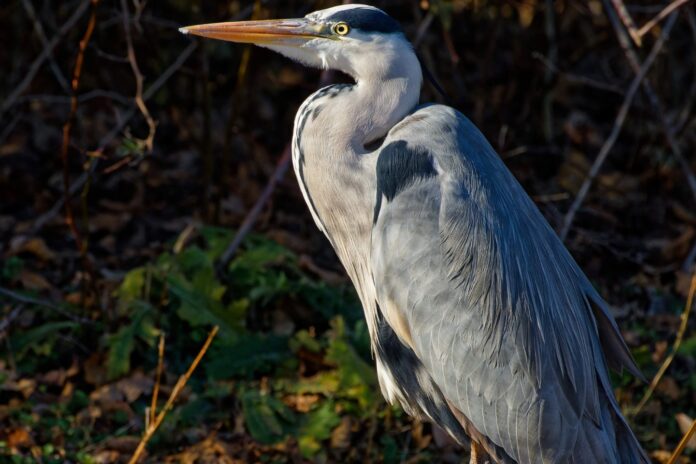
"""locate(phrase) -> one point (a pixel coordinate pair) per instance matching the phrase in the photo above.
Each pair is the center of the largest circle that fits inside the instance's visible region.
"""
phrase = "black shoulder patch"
(367, 20)
(398, 166)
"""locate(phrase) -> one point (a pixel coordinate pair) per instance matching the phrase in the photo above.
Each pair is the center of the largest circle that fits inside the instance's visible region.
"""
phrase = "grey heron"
(480, 319)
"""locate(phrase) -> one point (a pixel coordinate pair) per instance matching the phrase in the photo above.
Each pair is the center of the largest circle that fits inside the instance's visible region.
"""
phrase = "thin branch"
(180, 384)
(660, 16)
(655, 102)
(627, 21)
(158, 380)
(7, 320)
(576, 78)
(682, 444)
(250, 219)
(690, 259)
(423, 28)
(85, 97)
(43, 303)
(31, 12)
(154, 88)
(677, 343)
(43, 56)
(46, 217)
(616, 130)
(67, 129)
(138, 77)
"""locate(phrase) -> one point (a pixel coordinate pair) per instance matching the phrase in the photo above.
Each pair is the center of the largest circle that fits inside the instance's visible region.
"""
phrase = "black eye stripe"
(367, 20)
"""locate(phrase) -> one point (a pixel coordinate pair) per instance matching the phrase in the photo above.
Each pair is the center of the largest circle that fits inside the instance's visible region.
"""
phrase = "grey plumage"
(510, 338)
(480, 319)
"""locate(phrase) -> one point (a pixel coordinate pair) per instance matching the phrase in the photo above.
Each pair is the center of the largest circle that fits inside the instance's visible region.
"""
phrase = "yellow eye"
(341, 28)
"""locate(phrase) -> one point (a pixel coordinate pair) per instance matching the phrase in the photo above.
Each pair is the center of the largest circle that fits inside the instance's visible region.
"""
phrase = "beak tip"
(184, 30)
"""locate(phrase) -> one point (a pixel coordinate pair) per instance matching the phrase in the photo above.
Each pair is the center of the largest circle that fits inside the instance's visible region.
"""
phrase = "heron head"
(356, 39)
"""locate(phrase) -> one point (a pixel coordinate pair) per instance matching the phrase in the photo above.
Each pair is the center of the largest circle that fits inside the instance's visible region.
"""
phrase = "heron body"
(480, 319)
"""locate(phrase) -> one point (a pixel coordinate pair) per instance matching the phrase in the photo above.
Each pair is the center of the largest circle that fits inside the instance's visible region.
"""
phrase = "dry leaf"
(660, 350)
(668, 387)
(33, 281)
(125, 444)
(106, 457)
(26, 386)
(685, 422)
(683, 283)
(661, 456)
(210, 450)
(95, 371)
(34, 246)
(573, 171)
(109, 222)
(525, 11)
(19, 438)
(134, 386)
(340, 436)
(55, 377)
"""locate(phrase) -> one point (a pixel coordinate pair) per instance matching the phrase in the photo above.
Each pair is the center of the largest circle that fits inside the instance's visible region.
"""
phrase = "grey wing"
(472, 278)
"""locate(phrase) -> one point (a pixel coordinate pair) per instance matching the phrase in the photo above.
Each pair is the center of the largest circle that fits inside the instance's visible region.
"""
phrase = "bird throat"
(336, 170)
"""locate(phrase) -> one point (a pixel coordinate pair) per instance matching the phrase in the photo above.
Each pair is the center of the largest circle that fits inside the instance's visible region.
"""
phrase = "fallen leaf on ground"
(685, 422)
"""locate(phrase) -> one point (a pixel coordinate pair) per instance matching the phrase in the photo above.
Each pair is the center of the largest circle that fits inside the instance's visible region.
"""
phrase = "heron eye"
(341, 28)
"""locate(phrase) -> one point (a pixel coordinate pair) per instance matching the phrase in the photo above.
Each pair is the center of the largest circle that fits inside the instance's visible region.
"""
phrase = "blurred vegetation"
(289, 377)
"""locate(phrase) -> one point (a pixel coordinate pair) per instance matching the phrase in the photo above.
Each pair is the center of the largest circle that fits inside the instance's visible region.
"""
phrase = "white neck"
(335, 170)
(387, 88)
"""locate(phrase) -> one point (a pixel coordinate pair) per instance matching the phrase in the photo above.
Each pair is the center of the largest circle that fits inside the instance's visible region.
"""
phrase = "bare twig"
(158, 380)
(576, 78)
(180, 384)
(423, 28)
(690, 258)
(138, 76)
(250, 219)
(31, 12)
(154, 88)
(660, 16)
(43, 303)
(655, 102)
(43, 56)
(627, 21)
(67, 129)
(7, 320)
(616, 130)
(45, 218)
(677, 343)
(682, 444)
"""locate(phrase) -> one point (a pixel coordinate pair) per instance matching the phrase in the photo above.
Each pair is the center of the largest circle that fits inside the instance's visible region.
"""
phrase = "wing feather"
(498, 311)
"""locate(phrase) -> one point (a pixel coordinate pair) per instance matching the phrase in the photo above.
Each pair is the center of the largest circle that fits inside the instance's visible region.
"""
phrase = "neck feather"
(336, 171)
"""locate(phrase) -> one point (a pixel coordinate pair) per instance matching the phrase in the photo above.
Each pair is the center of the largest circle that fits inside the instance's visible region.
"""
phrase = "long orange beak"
(276, 31)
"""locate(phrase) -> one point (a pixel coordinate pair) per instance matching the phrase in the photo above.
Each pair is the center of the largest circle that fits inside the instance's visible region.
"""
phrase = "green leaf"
(133, 285)
(317, 426)
(251, 354)
(200, 303)
(267, 418)
(326, 383)
(303, 339)
(39, 339)
(357, 379)
(11, 268)
(122, 343)
(688, 347)
(217, 239)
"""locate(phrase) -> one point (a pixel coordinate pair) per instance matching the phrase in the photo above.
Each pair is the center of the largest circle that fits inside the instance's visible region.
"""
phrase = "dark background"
(158, 191)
